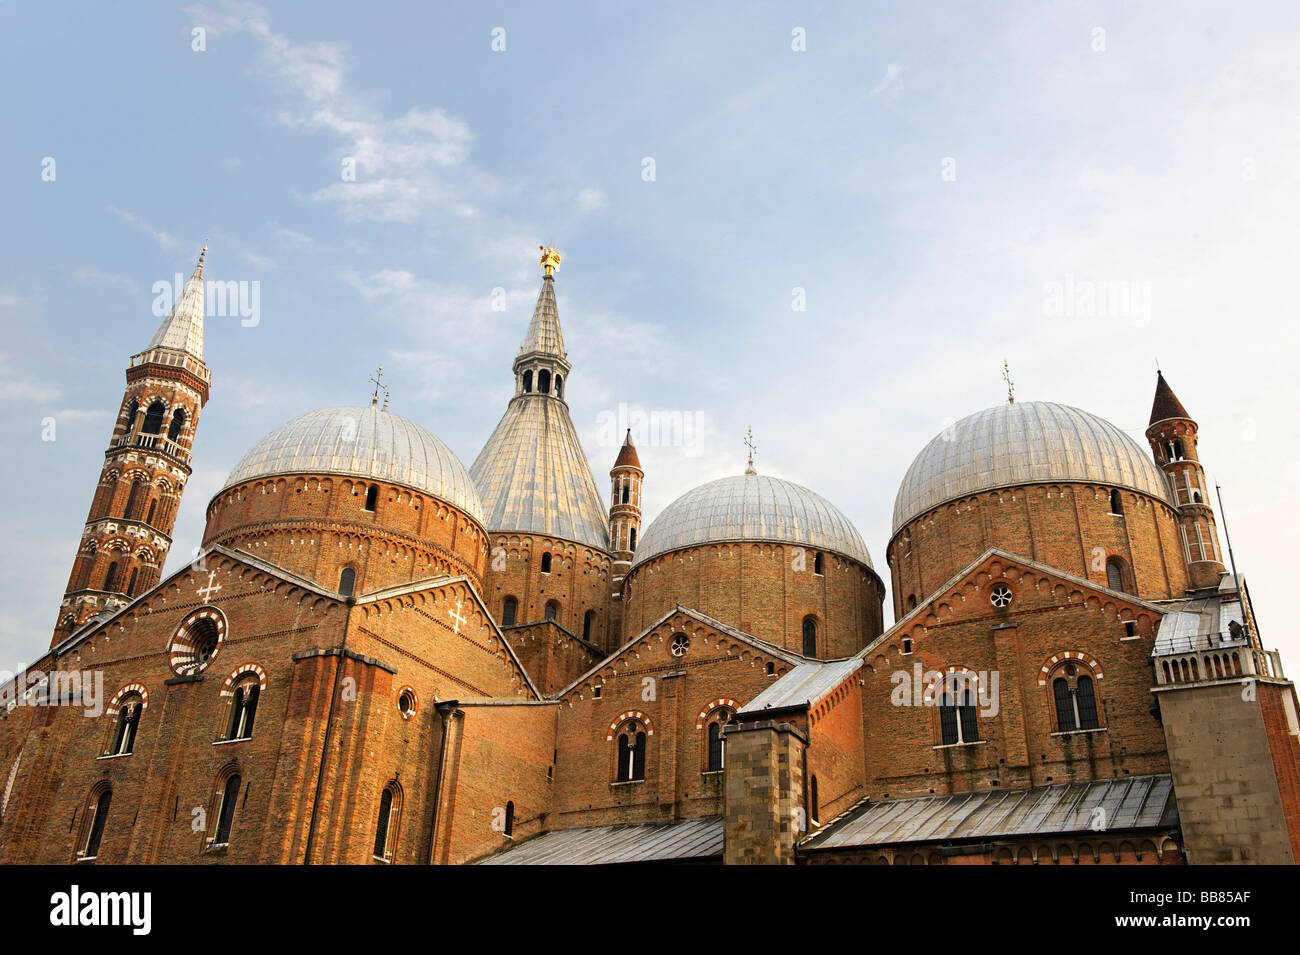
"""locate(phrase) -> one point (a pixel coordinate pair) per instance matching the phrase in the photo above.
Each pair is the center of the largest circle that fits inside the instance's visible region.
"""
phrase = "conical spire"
(182, 329)
(543, 336)
(1166, 404)
(627, 456)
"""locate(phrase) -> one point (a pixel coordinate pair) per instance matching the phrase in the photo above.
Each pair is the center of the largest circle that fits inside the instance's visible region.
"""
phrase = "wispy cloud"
(891, 84)
(390, 169)
(98, 277)
(164, 239)
(17, 385)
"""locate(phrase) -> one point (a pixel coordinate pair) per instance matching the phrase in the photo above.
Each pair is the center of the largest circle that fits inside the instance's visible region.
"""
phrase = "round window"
(406, 703)
(681, 643)
(1000, 596)
(197, 642)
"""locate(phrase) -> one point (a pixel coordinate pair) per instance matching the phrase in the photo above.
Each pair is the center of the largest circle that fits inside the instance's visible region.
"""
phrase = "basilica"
(383, 656)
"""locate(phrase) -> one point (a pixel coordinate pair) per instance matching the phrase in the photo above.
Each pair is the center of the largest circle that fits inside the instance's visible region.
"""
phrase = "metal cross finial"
(378, 380)
(749, 443)
(1011, 385)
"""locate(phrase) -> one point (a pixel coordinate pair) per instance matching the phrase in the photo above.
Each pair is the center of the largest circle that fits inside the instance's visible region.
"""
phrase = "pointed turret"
(182, 329)
(1166, 403)
(1172, 434)
(542, 364)
(625, 507)
(127, 534)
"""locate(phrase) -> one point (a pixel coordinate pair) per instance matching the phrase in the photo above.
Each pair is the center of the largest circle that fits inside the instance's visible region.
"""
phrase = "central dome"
(751, 507)
(367, 443)
(1032, 442)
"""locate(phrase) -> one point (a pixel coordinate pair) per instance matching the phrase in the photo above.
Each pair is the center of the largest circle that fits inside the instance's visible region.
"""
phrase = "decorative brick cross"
(458, 617)
(207, 592)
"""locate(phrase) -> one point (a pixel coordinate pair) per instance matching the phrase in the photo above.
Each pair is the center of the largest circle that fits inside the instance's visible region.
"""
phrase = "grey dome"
(367, 443)
(1031, 442)
(751, 507)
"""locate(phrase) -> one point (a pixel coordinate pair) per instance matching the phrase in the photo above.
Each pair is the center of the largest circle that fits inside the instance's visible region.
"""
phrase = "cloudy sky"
(830, 225)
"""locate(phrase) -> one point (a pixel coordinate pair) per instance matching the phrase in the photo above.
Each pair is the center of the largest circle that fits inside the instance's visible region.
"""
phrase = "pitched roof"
(1112, 805)
(770, 649)
(1166, 403)
(807, 683)
(692, 839)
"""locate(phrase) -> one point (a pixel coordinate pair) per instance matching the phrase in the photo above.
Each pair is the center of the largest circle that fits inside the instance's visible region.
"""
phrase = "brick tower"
(1172, 434)
(625, 506)
(128, 530)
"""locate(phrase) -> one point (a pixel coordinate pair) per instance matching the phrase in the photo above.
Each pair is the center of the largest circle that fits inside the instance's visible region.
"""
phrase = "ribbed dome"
(362, 442)
(534, 478)
(751, 507)
(1032, 442)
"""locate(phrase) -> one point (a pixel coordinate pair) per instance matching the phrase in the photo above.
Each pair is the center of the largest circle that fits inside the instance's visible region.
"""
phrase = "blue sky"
(923, 175)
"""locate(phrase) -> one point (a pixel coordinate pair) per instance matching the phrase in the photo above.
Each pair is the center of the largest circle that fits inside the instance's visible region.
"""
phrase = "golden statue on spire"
(550, 258)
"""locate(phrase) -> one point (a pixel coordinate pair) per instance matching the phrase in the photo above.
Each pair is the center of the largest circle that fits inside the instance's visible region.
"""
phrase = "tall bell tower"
(1172, 434)
(132, 514)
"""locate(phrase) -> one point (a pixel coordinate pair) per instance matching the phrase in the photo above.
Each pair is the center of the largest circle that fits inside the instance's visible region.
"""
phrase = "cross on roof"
(749, 443)
(1011, 385)
(378, 380)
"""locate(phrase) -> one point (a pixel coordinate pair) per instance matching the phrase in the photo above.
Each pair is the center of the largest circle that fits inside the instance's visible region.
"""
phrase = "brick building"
(383, 656)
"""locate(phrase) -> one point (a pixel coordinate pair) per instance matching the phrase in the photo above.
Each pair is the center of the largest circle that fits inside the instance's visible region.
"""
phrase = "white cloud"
(591, 200)
(165, 239)
(891, 84)
(405, 166)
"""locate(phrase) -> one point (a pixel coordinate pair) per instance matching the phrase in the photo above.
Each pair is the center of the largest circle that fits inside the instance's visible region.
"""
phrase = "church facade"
(383, 656)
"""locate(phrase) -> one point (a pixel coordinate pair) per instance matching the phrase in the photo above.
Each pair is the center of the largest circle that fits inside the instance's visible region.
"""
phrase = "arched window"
(819, 565)
(226, 809)
(715, 756)
(1075, 697)
(130, 587)
(128, 721)
(559, 386)
(631, 539)
(528, 381)
(1116, 578)
(911, 602)
(153, 506)
(1179, 452)
(347, 581)
(509, 608)
(544, 382)
(139, 487)
(631, 753)
(96, 817)
(153, 418)
(810, 636)
(131, 411)
(588, 623)
(546, 563)
(957, 712)
(814, 809)
(510, 818)
(390, 805)
(553, 610)
(110, 576)
(243, 707)
(372, 497)
(178, 423)
(1116, 504)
